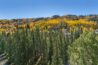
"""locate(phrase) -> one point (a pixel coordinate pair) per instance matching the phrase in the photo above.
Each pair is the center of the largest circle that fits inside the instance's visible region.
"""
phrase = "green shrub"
(2, 43)
(84, 51)
(37, 48)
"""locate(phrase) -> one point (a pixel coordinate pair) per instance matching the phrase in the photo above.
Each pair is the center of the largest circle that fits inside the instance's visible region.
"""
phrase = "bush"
(84, 51)
(37, 48)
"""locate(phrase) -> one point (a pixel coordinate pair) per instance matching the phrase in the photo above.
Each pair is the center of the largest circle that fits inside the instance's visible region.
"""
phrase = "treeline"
(54, 22)
(71, 17)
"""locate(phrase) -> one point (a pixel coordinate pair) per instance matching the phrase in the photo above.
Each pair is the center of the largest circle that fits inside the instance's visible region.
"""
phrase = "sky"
(10, 9)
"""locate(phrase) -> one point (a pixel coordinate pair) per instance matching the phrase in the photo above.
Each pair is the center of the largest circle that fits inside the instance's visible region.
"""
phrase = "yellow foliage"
(52, 23)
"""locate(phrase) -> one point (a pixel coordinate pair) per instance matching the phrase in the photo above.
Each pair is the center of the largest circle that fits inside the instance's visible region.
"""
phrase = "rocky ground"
(3, 59)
